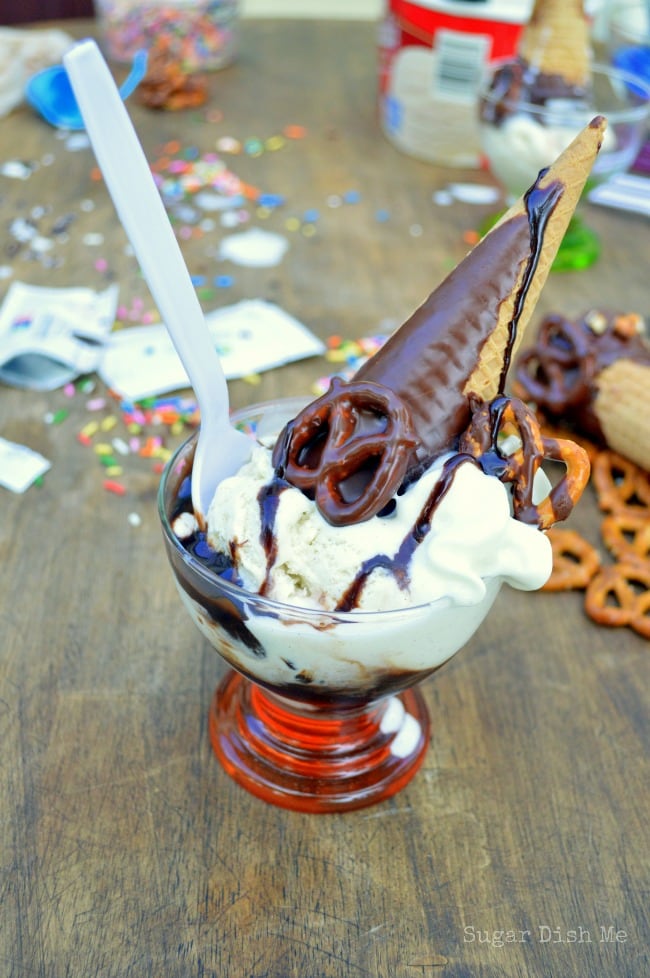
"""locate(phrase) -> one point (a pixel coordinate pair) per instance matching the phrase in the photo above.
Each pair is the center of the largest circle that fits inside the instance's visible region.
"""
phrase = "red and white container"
(432, 58)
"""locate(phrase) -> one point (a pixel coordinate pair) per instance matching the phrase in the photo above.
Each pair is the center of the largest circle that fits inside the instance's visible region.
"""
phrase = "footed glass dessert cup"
(319, 711)
(520, 137)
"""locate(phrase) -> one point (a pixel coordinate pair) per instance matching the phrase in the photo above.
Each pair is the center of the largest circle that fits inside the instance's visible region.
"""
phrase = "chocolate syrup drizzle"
(540, 204)
(398, 564)
(518, 83)
(268, 499)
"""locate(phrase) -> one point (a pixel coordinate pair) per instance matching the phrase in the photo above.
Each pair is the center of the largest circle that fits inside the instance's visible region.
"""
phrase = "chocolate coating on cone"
(350, 451)
(457, 345)
(430, 360)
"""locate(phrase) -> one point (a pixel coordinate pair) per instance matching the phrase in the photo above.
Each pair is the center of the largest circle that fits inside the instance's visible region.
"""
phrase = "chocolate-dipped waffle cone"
(571, 169)
(621, 407)
(556, 41)
(463, 338)
(353, 447)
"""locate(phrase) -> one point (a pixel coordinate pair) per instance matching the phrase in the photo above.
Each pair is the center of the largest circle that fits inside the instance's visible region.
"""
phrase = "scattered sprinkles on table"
(349, 355)
(122, 436)
(200, 37)
(201, 192)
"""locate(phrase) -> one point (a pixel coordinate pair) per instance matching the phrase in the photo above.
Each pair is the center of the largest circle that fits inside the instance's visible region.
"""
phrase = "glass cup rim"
(632, 113)
(240, 595)
(628, 36)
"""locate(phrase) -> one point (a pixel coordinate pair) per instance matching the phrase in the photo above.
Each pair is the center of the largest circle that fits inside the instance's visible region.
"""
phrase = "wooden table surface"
(520, 848)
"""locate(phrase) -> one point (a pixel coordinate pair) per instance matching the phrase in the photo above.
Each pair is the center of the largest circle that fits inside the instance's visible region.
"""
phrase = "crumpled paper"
(22, 54)
(48, 337)
(20, 465)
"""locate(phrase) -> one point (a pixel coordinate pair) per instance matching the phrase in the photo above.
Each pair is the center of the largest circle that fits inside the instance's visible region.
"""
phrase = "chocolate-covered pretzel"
(494, 421)
(560, 371)
(348, 450)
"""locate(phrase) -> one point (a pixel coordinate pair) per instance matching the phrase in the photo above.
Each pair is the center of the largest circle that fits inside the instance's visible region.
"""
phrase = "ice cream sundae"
(533, 104)
(369, 533)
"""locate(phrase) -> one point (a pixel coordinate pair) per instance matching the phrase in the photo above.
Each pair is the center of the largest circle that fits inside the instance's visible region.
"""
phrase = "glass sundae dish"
(319, 712)
(531, 107)
(367, 536)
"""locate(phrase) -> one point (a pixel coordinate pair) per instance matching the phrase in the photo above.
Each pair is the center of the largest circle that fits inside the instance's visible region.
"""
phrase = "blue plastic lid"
(50, 93)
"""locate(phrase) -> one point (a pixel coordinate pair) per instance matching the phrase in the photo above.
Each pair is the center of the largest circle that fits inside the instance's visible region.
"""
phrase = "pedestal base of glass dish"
(317, 758)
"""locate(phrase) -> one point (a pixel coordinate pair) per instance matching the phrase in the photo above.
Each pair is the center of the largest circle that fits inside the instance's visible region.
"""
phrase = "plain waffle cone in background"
(556, 41)
(571, 169)
(621, 409)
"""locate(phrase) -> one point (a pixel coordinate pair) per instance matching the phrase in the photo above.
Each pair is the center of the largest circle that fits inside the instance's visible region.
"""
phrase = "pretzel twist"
(575, 561)
(619, 595)
(627, 535)
(620, 484)
(491, 423)
(556, 372)
(357, 430)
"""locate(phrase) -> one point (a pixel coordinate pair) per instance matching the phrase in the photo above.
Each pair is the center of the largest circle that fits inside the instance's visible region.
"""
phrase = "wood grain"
(126, 851)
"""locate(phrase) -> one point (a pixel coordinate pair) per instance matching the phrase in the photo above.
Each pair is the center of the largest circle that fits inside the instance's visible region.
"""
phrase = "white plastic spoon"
(220, 448)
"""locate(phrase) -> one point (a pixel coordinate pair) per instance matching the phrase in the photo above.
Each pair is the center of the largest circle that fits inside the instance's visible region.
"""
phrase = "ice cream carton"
(433, 56)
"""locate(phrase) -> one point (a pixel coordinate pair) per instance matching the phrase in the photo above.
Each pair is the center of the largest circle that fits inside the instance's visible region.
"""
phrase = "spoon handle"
(135, 76)
(143, 216)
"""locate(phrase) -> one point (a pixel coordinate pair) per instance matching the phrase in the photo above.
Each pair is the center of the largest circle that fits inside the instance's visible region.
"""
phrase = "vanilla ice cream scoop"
(386, 562)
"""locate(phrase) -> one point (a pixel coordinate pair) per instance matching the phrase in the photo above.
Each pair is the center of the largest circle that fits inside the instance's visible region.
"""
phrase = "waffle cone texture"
(556, 41)
(571, 169)
(621, 406)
